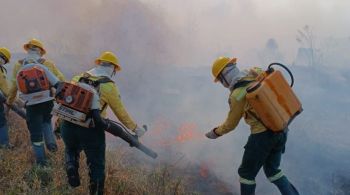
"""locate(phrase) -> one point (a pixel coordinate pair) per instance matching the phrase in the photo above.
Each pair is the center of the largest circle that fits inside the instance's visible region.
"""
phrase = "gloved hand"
(212, 135)
(140, 131)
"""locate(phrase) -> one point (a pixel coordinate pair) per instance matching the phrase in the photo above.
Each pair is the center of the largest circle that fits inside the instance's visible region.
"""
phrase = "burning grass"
(124, 173)
(19, 176)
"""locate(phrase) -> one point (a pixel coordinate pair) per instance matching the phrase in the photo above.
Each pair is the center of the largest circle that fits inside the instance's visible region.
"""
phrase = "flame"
(163, 135)
(187, 132)
(203, 170)
(204, 167)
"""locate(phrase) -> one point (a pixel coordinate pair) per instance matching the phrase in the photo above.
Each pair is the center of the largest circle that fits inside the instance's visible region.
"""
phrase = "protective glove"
(212, 134)
(140, 131)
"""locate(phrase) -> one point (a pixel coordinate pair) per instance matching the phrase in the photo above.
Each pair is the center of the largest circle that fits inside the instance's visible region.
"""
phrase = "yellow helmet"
(5, 53)
(37, 43)
(219, 65)
(108, 56)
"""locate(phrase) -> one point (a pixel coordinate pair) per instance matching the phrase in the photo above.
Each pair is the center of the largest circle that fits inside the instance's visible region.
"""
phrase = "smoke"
(166, 49)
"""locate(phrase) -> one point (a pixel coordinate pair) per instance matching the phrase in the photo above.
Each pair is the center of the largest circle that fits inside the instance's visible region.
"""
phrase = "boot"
(73, 176)
(49, 137)
(4, 136)
(72, 168)
(247, 189)
(52, 147)
(39, 152)
(285, 187)
(96, 188)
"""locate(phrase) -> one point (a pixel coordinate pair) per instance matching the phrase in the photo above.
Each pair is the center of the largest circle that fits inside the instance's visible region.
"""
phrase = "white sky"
(247, 24)
(210, 27)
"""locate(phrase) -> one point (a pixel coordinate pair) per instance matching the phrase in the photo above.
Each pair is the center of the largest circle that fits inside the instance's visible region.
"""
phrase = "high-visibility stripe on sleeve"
(38, 143)
(247, 181)
(276, 176)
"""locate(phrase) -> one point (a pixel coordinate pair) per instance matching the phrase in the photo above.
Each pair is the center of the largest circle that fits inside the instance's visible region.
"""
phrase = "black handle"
(269, 69)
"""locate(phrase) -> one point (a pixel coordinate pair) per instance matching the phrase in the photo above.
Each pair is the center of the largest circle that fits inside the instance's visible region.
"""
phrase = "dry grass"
(19, 176)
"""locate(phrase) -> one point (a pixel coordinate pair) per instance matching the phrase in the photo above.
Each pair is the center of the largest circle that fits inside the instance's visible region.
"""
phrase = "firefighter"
(92, 140)
(264, 148)
(38, 114)
(5, 57)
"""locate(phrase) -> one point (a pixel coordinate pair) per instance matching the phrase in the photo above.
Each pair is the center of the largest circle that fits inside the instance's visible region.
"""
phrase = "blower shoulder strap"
(41, 61)
(242, 83)
(87, 77)
(105, 80)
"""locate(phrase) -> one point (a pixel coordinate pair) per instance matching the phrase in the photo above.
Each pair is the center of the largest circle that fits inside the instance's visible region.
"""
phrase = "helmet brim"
(117, 67)
(26, 47)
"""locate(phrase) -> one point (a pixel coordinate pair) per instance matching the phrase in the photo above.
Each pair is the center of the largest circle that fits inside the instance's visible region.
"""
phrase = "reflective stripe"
(247, 181)
(240, 93)
(38, 143)
(36, 97)
(276, 176)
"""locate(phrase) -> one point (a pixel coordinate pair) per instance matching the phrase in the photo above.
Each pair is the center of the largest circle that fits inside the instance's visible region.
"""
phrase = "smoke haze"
(166, 49)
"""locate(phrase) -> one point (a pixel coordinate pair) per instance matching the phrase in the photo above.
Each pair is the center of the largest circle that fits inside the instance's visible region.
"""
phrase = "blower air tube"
(119, 130)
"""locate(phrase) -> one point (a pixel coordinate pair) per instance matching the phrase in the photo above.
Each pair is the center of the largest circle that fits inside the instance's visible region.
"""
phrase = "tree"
(306, 38)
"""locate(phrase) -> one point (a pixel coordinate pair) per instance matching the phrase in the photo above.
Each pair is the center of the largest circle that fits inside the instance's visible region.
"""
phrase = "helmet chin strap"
(113, 73)
(224, 81)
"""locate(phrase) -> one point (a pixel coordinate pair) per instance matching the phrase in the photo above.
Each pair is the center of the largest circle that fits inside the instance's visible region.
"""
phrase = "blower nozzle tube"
(118, 130)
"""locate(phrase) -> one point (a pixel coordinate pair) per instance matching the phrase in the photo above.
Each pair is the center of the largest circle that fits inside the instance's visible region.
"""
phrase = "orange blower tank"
(32, 80)
(274, 100)
(75, 97)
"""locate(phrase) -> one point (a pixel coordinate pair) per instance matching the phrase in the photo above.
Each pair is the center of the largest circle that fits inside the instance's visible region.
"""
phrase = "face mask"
(108, 67)
(230, 75)
(34, 53)
(225, 76)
